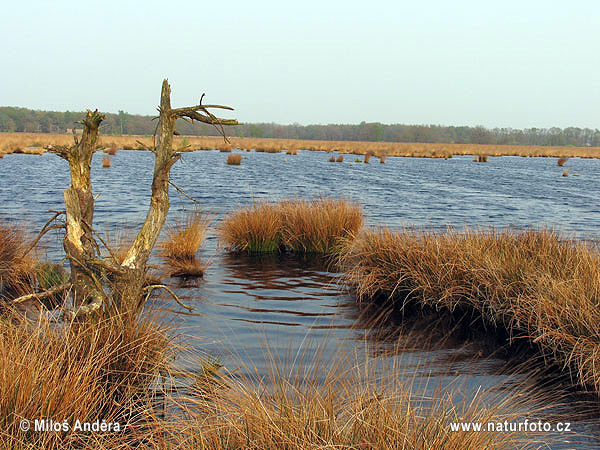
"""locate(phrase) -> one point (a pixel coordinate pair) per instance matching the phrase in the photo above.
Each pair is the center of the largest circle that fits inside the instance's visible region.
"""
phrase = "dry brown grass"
(17, 271)
(340, 158)
(561, 161)
(532, 284)
(382, 159)
(9, 142)
(296, 225)
(99, 370)
(234, 159)
(331, 158)
(106, 162)
(367, 158)
(252, 229)
(182, 242)
(291, 152)
(344, 403)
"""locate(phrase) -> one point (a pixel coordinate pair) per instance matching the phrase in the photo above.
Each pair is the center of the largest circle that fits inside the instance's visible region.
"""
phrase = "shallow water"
(250, 311)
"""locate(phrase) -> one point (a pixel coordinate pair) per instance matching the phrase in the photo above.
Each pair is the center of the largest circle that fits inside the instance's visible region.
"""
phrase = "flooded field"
(251, 310)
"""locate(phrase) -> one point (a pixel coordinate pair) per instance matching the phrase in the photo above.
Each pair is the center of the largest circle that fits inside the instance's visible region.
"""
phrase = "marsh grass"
(347, 400)
(298, 226)
(252, 229)
(367, 158)
(331, 158)
(382, 159)
(533, 285)
(17, 270)
(181, 245)
(106, 162)
(99, 370)
(234, 159)
(340, 158)
(561, 161)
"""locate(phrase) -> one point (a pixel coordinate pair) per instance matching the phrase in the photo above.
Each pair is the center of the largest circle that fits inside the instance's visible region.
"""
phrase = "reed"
(561, 161)
(565, 173)
(252, 229)
(182, 242)
(367, 158)
(292, 151)
(106, 162)
(298, 226)
(331, 158)
(530, 284)
(234, 159)
(340, 158)
(382, 159)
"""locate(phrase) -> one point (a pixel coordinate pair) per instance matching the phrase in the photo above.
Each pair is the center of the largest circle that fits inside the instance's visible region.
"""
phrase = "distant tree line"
(31, 121)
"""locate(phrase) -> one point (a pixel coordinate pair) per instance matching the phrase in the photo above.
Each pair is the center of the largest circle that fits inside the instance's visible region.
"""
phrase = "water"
(251, 310)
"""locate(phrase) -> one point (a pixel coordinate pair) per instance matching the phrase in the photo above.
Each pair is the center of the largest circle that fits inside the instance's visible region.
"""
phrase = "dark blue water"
(249, 311)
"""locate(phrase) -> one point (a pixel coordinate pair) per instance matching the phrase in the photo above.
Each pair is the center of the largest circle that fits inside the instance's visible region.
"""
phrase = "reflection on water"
(251, 311)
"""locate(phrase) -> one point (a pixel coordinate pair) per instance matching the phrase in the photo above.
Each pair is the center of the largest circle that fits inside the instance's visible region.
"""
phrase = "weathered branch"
(46, 228)
(40, 295)
(168, 289)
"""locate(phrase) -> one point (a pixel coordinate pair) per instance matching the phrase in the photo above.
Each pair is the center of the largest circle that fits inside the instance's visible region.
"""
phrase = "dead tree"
(88, 268)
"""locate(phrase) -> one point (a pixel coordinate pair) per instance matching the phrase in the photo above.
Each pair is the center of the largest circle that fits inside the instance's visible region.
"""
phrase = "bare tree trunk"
(79, 243)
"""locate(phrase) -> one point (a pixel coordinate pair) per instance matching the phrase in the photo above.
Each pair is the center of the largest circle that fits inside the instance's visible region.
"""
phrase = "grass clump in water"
(253, 229)
(234, 159)
(298, 226)
(182, 243)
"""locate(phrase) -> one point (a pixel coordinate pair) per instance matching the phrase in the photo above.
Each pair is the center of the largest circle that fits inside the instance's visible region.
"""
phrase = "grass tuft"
(182, 243)
(299, 226)
(106, 162)
(234, 159)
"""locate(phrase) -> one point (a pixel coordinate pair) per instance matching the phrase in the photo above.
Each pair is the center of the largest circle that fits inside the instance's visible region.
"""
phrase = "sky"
(516, 64)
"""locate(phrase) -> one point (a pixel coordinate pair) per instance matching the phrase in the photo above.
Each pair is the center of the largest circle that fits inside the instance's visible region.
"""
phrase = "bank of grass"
(180, 247)
(299, 226)
(99, 370)
(530, 284)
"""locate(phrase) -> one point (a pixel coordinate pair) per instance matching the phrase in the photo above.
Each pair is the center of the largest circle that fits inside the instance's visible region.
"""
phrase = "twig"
(47, 293)
(168, 289)
(181, 191)
(45, 229)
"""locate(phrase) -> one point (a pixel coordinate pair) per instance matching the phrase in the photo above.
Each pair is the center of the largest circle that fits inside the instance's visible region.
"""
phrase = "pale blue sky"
(503, 63)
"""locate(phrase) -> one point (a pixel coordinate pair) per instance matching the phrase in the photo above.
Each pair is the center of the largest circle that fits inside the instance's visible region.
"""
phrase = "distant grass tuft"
(234, 159)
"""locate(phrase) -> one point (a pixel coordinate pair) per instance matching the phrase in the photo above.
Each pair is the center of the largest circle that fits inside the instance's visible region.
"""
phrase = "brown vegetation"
(106, 162)
(331, 158)
(35, 142)
(296, 225)
(533, 284)
(16, 268)
(97, 371)
(340, 158)
(561, 161)
(182, 243)
(234, 159)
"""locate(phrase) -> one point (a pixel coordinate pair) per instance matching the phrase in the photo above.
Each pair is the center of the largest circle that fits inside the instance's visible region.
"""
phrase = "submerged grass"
(182, 243)
(299, 226)
(532, 284)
